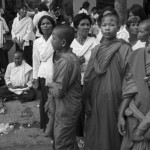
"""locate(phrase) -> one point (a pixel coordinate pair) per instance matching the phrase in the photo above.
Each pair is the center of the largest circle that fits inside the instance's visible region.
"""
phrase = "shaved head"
(146, 24)
(65, 32)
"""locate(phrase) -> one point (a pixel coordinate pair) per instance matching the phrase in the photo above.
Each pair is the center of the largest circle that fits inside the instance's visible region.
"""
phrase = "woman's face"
(23, 12)
(133, 28)
(83, 28)
(46, 26)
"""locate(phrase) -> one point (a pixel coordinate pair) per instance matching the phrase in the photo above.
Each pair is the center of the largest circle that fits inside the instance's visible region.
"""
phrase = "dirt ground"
(26, 134)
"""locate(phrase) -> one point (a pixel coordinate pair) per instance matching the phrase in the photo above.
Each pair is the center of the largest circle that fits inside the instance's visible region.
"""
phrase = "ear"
(64, 42)
(149, 39)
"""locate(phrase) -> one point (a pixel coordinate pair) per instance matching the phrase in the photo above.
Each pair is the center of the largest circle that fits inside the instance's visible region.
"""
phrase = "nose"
(107, 27)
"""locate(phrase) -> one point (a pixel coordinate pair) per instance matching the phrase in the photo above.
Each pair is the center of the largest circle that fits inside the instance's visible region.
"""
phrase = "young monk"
(64, 98)
(102, 88)
(135, 106)
(18, 79)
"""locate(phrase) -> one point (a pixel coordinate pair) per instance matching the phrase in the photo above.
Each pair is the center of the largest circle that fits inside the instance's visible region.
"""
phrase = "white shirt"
(39, 67)
(36, 21)
(26, 33)
(83, 11)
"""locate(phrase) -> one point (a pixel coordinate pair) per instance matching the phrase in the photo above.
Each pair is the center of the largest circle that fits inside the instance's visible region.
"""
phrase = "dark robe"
(102, 94)
(65, 102)
(137, 88)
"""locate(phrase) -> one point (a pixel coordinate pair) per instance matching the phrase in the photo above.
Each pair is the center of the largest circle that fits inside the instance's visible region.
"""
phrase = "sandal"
(2, 110)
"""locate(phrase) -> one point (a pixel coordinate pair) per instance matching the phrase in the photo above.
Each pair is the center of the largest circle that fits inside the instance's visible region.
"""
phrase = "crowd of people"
(93, 74)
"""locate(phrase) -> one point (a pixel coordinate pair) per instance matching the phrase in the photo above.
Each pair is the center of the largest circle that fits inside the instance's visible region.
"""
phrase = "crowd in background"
(103, 48)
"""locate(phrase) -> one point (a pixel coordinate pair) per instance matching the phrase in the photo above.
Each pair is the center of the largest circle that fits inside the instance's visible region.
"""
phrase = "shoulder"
(38, 40)
(11, 65)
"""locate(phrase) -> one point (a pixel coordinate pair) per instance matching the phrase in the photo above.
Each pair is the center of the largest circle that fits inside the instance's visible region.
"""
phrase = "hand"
(35, 83)
(121, 125)
(82, 60)
(10, 86)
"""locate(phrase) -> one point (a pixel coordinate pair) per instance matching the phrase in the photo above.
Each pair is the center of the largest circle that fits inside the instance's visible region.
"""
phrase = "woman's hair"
(85, 5)
(45, 17)
(22, 6)
(42, 7)
(137, 10)
(133, 19)
(77, 19)
(93, 8)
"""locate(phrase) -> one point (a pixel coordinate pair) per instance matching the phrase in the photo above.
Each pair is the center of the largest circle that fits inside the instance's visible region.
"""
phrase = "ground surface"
(26, 134)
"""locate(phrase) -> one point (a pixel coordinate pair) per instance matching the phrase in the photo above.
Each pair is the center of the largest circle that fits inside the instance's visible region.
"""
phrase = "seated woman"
(18, 78)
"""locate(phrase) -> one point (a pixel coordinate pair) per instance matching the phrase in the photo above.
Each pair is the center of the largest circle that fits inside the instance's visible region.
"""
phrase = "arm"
(129, 90)
(29, 31)
(36, 61)
(12, 31)
(60, 85)
(30, 79)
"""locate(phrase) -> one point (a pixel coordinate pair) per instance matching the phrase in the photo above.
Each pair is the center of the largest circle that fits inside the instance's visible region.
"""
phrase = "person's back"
(65, 91)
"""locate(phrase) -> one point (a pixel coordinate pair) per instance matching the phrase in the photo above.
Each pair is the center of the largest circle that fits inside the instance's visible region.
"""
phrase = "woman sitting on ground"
(18, 79)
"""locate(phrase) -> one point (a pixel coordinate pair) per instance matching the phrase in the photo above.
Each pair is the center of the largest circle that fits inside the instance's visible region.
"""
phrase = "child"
(65, 91)
(136, 104)
(102, 87)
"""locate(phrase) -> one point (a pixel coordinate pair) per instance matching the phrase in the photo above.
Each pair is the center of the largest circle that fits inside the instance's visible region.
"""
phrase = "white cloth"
(138, 45)
(19, 76)
(36, 21)
(3, 29)
(95, 16)
(84, 50)
(83, 11)
(23, 30)
(123, 33)
(99, 35)
(43, 59)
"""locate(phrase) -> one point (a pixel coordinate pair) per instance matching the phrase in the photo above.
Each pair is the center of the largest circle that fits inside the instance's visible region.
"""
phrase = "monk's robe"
(136, 87)
(102, 94)
(66, 106)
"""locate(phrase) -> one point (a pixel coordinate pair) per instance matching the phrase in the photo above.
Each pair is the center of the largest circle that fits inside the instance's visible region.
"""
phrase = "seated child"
(18, 79)
(64, 98)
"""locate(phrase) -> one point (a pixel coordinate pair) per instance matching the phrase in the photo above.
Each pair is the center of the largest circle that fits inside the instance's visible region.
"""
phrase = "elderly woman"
(82, 46)
(43, 62)
(18, 79)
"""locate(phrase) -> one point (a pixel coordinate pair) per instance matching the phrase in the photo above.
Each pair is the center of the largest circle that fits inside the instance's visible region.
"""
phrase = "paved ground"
(26, 135)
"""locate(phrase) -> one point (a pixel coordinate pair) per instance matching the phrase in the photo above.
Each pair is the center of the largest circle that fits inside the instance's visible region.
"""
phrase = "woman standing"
(22, 33)
(43, 63)
(82, 46)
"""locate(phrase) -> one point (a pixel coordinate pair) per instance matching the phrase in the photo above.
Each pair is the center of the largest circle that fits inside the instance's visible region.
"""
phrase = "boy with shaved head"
(103, 87)
(135, 107)
(64, 98)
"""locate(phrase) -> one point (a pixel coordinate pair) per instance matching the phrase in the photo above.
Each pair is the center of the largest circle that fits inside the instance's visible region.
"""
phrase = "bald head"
(144, 31)
(65, 32)
(146, 24)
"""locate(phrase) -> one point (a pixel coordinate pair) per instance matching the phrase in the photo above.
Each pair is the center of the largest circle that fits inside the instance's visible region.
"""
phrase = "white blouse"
(39, 67)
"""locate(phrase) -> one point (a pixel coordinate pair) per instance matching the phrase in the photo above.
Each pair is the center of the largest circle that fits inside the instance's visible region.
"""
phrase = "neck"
(106, 40)
(81, 39)
(46, 36)
(21, 17)
(133, 39)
